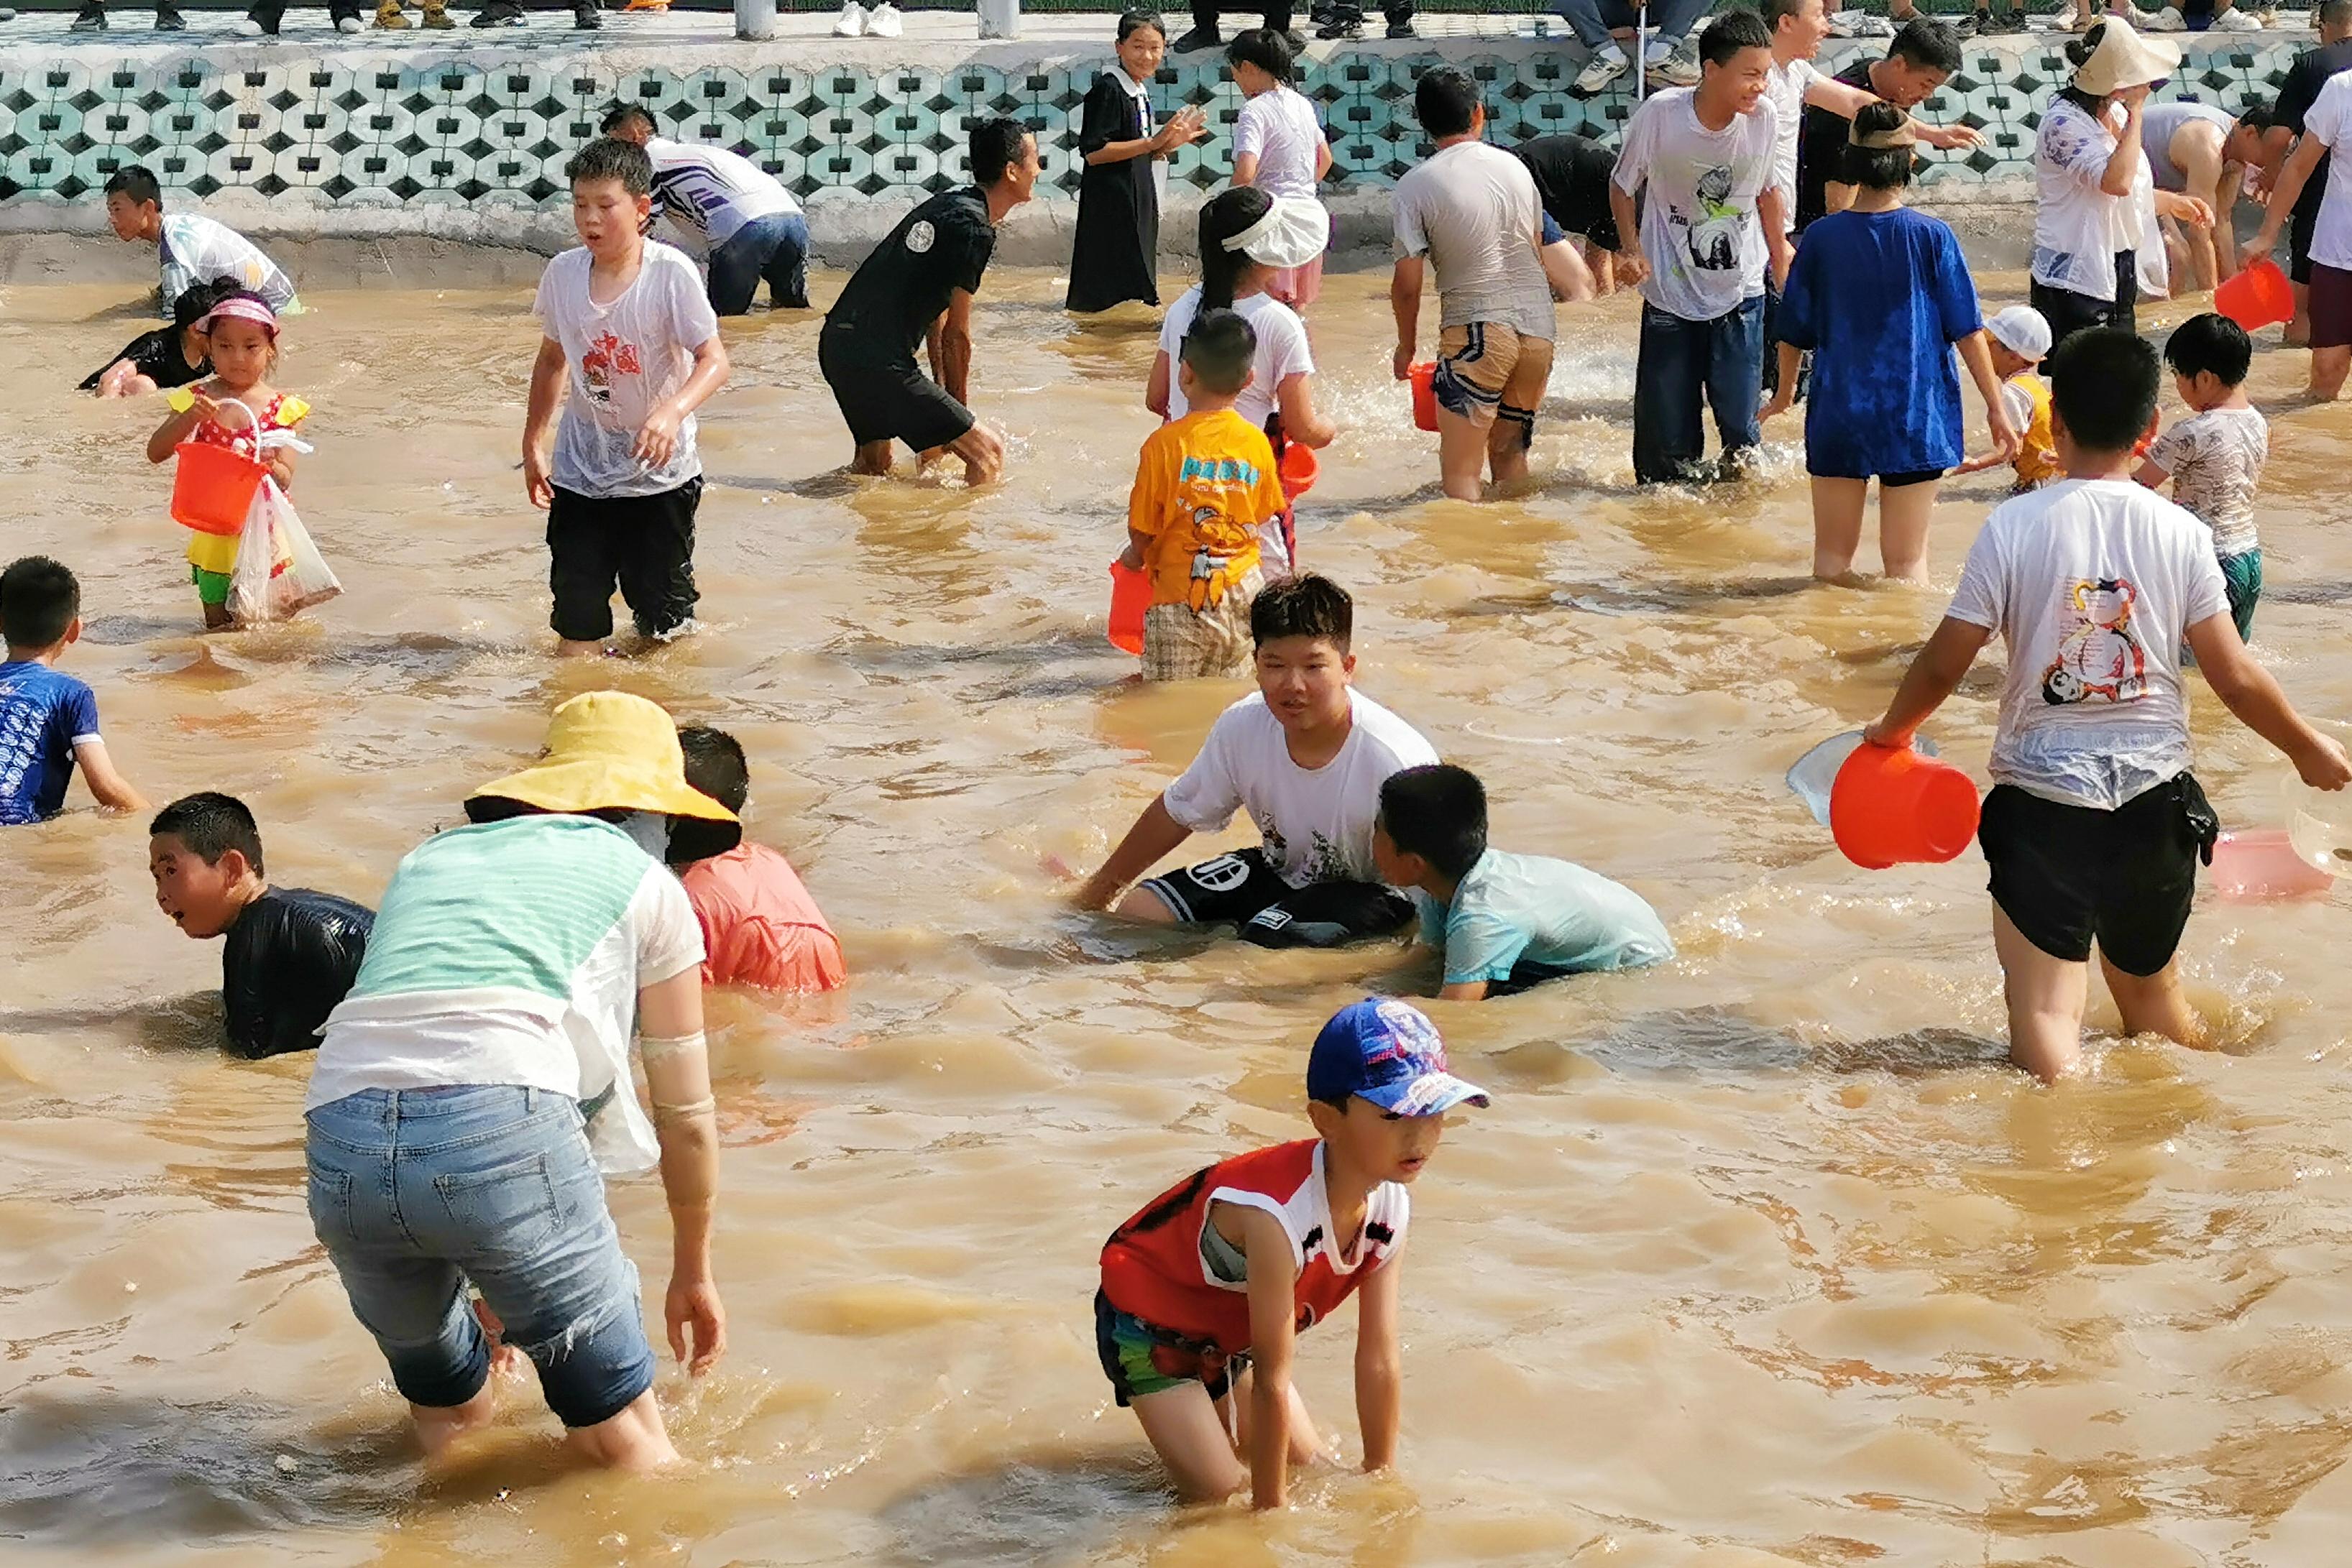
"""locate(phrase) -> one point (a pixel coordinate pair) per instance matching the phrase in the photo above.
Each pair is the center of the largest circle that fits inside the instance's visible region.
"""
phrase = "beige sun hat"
(2123, 58)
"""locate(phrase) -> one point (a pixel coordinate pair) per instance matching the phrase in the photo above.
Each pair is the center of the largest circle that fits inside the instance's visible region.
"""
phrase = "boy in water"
(1204, 486)
(2094, 824)
(292, 953)
(165, 357)
(2020, 341)
(759, 927)
(1503, 923)
(190, 245)
(1306, 757)
(48, 721)
(625, 318)
(1205, 1291)
(2215, 456)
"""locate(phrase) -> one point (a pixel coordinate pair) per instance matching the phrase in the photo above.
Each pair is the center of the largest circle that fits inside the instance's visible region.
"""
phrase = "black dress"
(1116, 256)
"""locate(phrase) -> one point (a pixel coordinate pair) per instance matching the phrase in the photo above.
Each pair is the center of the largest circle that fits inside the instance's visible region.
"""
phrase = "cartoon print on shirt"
(2099, 655)
(1714, 240)
(607, 356)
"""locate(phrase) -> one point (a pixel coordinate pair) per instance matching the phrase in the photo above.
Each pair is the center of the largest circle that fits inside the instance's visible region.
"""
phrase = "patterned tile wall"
(318, 134)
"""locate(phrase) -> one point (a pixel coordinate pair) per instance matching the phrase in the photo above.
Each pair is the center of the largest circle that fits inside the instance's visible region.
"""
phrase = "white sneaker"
(1608, 63)
(1669, 66)
(2064, 21)
(349, 25)
(884, 21)
(1860, 25)
(2236, 21)
(851, 22)
(247, 28)
(2168, 20)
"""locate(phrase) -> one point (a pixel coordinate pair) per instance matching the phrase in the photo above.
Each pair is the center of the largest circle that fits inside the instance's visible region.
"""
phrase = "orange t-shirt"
(759, 927)
(1202, 486)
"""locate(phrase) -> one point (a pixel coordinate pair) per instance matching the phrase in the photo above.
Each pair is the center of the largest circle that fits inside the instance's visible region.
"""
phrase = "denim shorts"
(415, 1192)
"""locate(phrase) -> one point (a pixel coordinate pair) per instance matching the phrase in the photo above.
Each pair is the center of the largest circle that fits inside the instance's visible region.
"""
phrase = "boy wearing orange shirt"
(1203, 484)
(759, 927)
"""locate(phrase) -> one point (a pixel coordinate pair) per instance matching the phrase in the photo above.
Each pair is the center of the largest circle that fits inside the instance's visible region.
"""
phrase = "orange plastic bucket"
(1130, 596)
(2257, 298)
(1898, 808)
(214, 487)
(1424, 394)
(1299, 469)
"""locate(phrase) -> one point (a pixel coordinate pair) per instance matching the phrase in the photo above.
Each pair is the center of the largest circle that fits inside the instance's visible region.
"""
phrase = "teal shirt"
(1511, 909)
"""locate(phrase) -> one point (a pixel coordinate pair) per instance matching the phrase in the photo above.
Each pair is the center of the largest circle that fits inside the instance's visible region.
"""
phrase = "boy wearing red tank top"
(1205, 1290)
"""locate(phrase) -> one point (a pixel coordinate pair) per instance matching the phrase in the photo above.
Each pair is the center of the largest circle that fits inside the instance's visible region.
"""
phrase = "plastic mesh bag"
(279, 572)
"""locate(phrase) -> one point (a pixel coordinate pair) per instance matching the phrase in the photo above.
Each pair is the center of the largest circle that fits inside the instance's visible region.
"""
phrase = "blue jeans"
(1723, 359)
(1670, 20)
(415, 1191)
(774, 247)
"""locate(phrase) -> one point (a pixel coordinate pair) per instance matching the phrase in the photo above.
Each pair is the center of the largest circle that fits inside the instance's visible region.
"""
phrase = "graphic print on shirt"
(2099, 655)
(1714, 240)
(607, 356)
(1210, 482)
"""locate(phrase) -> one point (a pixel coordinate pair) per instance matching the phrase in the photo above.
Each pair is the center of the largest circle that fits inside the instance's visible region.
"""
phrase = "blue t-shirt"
(43, 716)
(1880, 299)
(1531, 908)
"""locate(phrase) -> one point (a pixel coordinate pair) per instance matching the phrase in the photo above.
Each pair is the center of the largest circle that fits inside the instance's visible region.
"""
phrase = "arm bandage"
(662, 1049)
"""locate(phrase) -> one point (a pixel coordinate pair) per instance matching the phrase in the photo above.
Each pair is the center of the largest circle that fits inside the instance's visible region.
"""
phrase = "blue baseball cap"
(1388, 1052)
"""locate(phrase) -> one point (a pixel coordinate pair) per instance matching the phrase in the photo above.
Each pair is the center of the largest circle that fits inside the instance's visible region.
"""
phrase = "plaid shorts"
(1181, 644)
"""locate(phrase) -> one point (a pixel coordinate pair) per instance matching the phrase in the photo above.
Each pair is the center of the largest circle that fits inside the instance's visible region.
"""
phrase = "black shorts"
(2331, 307)
(643, 544)
(2069, 312)
(889, 400)
(1243, 889)
(2305, 226)
(2068, 875)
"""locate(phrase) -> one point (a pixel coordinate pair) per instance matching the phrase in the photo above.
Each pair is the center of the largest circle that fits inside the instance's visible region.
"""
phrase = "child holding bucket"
(237, 410)
(2094, 825)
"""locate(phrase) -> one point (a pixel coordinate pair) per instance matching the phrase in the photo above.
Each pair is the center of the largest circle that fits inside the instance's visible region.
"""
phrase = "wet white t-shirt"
(1786, 88)
(2330, 120)
(2092, 585)
(625, 358)
(1699, 225)
(1474, 212)
(1280, 127)
(1317, 824)
(197, 250)
(711, 191)
(1281, 352)
(2216, 461)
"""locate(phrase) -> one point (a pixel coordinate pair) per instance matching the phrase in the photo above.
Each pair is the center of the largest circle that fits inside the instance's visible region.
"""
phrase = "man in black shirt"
(2296, 95)
(917, 288)
(1571, 175)
(1923, 55)
(291, 954)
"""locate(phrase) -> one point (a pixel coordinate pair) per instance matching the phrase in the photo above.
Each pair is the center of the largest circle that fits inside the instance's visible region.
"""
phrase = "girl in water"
(241, 332)
(1248, 239)
(1278, 147)
(1116, 256)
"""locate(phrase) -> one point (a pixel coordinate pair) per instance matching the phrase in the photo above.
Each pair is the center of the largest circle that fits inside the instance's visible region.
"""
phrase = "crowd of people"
(489, 1018)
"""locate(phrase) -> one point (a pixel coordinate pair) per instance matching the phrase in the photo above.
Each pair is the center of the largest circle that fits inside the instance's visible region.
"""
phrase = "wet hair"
(1438, 812)
(136, 181)
(210, 825)
(608, 157)
(715, 765)
(1218, 346)
(1928, 45)
(196, 300)
(1777, 11)
(2103, 383)
(1267, 49)
(1133, 21)
(993, 147)
(1309, 606)
(2211, 342)
(2260, 116)
(626, 113)
(1223, 215)
(1877, 168)
(1722, 40)
(1445, 101)
(38, 601)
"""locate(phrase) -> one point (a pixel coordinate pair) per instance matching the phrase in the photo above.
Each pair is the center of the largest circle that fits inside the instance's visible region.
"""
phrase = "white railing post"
(755, 20)
(999, 19)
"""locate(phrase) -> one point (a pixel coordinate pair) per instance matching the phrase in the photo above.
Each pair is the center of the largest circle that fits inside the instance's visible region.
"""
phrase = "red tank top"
(1152, 1268)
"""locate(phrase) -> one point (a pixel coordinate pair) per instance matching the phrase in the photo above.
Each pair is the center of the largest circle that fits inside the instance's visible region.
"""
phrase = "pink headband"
(242, 309)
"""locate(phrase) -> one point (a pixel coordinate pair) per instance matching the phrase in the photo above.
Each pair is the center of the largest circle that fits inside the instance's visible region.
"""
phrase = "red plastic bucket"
(1898, 808)
(1424, 394)
(1299, 469)
(214, 487)
(1130, 596)
(2257, 298)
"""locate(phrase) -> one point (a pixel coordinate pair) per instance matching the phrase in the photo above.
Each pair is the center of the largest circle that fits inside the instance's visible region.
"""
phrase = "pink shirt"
(760, 926)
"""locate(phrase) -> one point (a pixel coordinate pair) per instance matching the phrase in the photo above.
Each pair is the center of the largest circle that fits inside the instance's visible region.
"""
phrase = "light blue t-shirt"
(1511, 909)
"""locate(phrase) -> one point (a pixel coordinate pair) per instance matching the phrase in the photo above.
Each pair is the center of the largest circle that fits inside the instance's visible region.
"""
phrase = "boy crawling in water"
(1206, 1290)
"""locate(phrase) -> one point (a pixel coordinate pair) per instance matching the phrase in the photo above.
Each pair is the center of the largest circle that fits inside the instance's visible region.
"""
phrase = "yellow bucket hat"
(609, 751)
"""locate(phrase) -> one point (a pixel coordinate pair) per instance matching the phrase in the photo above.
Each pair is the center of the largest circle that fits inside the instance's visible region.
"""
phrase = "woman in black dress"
(1118, 249)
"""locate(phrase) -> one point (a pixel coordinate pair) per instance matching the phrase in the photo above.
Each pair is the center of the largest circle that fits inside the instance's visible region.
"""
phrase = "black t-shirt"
(292, 957)
(900, 289)
(1571, 174)
(155, 355)
(1821, 148)
(2298, 93)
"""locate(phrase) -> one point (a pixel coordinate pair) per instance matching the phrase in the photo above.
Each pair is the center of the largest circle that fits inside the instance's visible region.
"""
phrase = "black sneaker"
(1342, 26)
(91, 18)
(169, 20)
(499, 14)
(587, 18)
(1401, 30)
(1198, 38)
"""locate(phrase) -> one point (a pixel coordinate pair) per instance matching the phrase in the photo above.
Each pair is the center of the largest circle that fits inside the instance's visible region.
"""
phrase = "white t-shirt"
(1282, 351)
(2216, 461)
(1699, 225)
(1786, 88)
(626, 358)
(2078, 228)
(1279, 126)
(2092, 584)
(1318, 824)
(2330, 120)
(197, 250)
(709, 192)
(1474, 212)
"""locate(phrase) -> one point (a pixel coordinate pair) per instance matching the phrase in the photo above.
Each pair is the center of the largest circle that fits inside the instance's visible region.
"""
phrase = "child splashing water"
(236, 408)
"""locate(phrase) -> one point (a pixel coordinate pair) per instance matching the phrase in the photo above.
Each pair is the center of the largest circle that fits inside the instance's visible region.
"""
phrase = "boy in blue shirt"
(48, 721)
(1504, 922)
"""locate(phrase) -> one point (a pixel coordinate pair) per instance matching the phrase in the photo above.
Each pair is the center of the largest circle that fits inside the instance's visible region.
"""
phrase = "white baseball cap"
(2022, 332)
